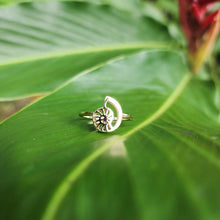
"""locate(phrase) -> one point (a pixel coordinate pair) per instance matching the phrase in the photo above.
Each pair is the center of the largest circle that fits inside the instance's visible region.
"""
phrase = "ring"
(103, 118)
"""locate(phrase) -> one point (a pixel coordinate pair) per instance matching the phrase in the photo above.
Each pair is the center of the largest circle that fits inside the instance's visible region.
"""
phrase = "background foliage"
(53, 165)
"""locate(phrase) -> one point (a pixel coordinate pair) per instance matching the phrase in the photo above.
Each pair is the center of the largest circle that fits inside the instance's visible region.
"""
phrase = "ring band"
(89, 115)
(103, 118)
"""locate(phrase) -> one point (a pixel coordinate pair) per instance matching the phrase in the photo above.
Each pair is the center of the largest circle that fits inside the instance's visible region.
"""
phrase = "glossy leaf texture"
(47, 44)
(162, 165)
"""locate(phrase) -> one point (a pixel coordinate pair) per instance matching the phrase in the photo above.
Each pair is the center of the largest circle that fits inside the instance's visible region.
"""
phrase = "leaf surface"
(54, 165)
(44, 45)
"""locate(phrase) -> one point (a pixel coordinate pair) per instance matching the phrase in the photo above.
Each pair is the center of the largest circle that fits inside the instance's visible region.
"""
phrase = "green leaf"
(169, 6)
(162, 165)
(126, 5)
(47, 44)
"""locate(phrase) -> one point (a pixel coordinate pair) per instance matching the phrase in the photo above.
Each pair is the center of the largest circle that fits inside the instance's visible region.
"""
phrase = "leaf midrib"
(66, 184)
(113, 47)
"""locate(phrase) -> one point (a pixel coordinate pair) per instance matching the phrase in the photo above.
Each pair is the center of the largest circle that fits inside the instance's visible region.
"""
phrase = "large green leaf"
(47, 44)
(163, 165)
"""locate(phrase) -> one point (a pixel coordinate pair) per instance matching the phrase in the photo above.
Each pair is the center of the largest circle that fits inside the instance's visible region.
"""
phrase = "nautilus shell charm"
(103, 118)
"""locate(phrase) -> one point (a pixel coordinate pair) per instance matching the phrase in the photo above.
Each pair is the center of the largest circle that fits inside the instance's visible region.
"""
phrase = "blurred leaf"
(125, 5)
(44, 45)
(217, 46)
(170, 7)
(163, 165)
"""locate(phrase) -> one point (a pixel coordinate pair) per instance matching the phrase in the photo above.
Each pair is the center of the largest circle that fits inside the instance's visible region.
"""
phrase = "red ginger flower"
(196, 20)
(200, 26)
